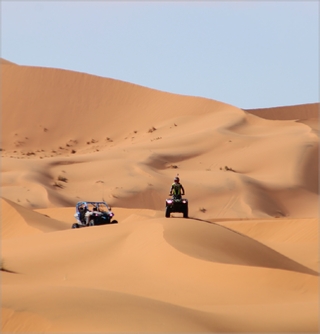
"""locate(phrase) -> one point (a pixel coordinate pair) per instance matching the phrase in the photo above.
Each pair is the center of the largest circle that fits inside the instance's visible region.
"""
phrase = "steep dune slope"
(28, 221)
(61, 105)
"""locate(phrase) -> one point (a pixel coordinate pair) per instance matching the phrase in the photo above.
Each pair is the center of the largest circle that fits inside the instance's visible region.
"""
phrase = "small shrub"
(152, 129)
(155, 138)
(58, 185)
(62, 179)
(30, 153)
(202, 209)
(226, 168)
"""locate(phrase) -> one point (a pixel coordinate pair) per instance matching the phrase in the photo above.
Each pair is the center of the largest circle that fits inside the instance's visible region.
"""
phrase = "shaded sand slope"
(298, 112)
(296, 238)
(151, 274)
(19, 221)
(71, 136)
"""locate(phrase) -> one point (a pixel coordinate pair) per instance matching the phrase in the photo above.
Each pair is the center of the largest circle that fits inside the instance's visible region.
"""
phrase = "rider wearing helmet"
(83, 209)
(176, 188)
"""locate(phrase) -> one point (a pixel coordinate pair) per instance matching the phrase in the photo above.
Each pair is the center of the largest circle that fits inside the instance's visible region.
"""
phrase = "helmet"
(176, 179)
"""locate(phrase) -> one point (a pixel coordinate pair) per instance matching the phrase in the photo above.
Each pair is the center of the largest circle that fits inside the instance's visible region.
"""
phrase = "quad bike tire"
(167, 212)
(185, 213)
(75, 225)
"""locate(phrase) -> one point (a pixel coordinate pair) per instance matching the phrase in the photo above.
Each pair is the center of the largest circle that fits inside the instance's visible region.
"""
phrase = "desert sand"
(246, 259)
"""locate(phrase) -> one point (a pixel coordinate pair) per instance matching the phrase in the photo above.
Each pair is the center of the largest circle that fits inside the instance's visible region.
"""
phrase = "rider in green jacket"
(176, 189)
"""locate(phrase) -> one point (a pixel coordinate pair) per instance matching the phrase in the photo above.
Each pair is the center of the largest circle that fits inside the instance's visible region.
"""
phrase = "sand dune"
(247, 258)
(298, 112)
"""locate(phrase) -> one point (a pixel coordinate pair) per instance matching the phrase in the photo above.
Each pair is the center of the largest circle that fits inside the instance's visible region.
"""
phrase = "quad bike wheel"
(75, 225)
(167, 212)
(185, 213)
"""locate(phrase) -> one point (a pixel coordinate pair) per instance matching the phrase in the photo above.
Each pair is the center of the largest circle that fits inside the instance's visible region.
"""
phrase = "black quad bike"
(177, 205)
(99, 214)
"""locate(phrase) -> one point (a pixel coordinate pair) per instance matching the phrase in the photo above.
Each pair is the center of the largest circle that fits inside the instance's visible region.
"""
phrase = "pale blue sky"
(251, 54)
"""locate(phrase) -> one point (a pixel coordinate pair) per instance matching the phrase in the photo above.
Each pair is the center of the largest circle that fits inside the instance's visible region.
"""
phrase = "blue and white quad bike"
(177, 205)
(93, 214)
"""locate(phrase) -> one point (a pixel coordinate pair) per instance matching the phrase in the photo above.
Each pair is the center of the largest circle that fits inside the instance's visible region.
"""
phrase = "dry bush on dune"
(58, 184)
(71, 142)
(30, 153)
(62, 178)
(228, 169)
(152, 129)
(154, 138)
(202, 209)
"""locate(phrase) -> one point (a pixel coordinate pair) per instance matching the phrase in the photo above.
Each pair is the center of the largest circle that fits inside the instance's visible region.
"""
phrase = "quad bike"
(176, 205)
(99, 212)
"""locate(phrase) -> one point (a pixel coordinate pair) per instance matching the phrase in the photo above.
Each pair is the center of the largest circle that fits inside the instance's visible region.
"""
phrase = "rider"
(88, 214)
(83, 213)
(176, 189)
